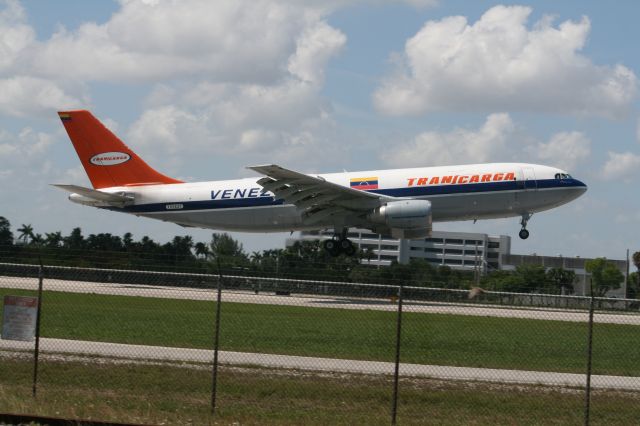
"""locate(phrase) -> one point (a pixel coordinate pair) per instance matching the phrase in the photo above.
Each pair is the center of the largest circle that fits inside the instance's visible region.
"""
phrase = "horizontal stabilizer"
(94, 194)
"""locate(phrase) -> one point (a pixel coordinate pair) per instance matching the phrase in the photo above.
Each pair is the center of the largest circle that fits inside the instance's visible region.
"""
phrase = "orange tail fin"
(106, 159)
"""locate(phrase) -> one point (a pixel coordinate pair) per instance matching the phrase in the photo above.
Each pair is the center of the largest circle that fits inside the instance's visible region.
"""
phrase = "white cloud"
(26, 144)
(498, 139)
(168, 129)
(259, 43)
(238, 118)
(23, 95)
(21, 92)
(25, 155)
(226, 40)
(564, 150)
(499, 63)
(621, 166)
(456, 147)
(314, 47)
(232, 76)
(15, 34)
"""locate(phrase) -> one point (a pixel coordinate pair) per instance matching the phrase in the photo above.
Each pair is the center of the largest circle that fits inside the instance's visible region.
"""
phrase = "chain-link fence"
(161, 347)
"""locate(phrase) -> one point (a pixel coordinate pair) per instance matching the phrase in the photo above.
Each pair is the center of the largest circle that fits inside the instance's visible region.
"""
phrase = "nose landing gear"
(524, 234)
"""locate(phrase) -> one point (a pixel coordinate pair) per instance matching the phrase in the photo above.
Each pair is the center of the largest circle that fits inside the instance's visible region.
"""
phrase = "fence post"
(587, 398)
(394, 406)
(36, 352)
(216, 339)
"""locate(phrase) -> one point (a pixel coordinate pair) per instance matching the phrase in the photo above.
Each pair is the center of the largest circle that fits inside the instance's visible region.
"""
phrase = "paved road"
(158, 353)
(315, 301)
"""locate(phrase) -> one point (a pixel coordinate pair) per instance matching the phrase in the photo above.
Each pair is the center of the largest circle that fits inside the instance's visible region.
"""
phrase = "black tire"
(347, 247)
(350, 251)
(524, 234)
(330, 245)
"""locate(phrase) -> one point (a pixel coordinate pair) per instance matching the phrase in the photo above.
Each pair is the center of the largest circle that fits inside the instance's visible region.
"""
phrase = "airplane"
(401, 203)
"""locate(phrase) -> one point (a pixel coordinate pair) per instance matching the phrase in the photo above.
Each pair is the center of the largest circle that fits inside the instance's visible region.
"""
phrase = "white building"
(458, 250)
(465, 251)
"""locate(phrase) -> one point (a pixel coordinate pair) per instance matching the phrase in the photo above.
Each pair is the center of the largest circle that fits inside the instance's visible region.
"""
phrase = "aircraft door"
(529, 179)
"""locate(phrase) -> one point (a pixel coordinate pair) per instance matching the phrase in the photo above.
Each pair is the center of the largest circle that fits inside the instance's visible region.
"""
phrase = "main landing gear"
(524, 234)
(339, 244)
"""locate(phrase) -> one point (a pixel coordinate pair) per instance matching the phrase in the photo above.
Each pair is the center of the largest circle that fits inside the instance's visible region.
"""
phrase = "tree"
(562, 279)
(633, 285)
(533, 278)
(224, 245)
(26, 233)
(127, 241)
(202, 249)
(605, 275)
(75, 240)
(104, 242)
(180, 247)
(636, 262)
(6, 236)
(227, 251)
(53, 239)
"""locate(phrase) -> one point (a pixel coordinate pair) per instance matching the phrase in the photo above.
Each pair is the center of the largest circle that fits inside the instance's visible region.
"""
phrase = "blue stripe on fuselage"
(413, 191)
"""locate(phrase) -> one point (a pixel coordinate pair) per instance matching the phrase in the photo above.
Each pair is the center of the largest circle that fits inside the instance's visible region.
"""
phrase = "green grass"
(338, 333)
(167, 394)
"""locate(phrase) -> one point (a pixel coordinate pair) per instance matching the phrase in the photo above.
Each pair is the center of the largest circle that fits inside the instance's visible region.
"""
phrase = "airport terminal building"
(468, 251)
(459, 250)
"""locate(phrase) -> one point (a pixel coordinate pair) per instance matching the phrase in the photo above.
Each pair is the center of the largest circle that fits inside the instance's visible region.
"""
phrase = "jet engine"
(406, 218)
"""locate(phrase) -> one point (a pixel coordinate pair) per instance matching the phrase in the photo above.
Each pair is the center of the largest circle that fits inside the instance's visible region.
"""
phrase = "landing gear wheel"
(347, 247)
(332, 247)
(336, 246)
(524, 234)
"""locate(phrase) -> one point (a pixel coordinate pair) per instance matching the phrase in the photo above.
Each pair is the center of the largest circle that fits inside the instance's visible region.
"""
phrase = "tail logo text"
(109, 158)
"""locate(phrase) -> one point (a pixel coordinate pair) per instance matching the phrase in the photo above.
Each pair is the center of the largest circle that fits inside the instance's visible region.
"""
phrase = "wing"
(318, 199)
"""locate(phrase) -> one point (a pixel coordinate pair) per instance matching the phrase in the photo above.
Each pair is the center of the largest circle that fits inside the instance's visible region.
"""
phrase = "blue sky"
(202, 89)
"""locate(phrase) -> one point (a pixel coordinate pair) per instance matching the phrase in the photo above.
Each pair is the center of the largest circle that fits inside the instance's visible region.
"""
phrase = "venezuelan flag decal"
(64, 117)
(365, 183)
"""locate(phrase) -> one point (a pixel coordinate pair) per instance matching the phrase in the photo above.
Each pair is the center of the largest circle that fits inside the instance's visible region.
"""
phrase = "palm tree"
(37, 239)
(127, 241)
(256, 257)
(53, 239)
(202, 249)
(26, 233)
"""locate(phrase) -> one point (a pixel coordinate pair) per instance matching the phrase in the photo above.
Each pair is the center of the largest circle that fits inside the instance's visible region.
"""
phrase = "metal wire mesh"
(293, 343)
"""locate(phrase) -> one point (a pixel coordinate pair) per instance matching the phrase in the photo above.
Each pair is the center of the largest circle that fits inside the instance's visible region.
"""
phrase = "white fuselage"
(466, 192)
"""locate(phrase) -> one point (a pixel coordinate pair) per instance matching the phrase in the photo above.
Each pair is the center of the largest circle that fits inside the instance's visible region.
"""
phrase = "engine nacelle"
(412, 217)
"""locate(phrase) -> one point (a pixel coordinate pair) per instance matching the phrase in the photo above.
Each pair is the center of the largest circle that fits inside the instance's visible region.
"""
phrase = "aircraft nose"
(577, 188)
(581, 185)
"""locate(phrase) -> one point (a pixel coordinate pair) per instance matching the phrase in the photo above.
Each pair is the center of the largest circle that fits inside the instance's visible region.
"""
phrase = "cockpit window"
(560, 176)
